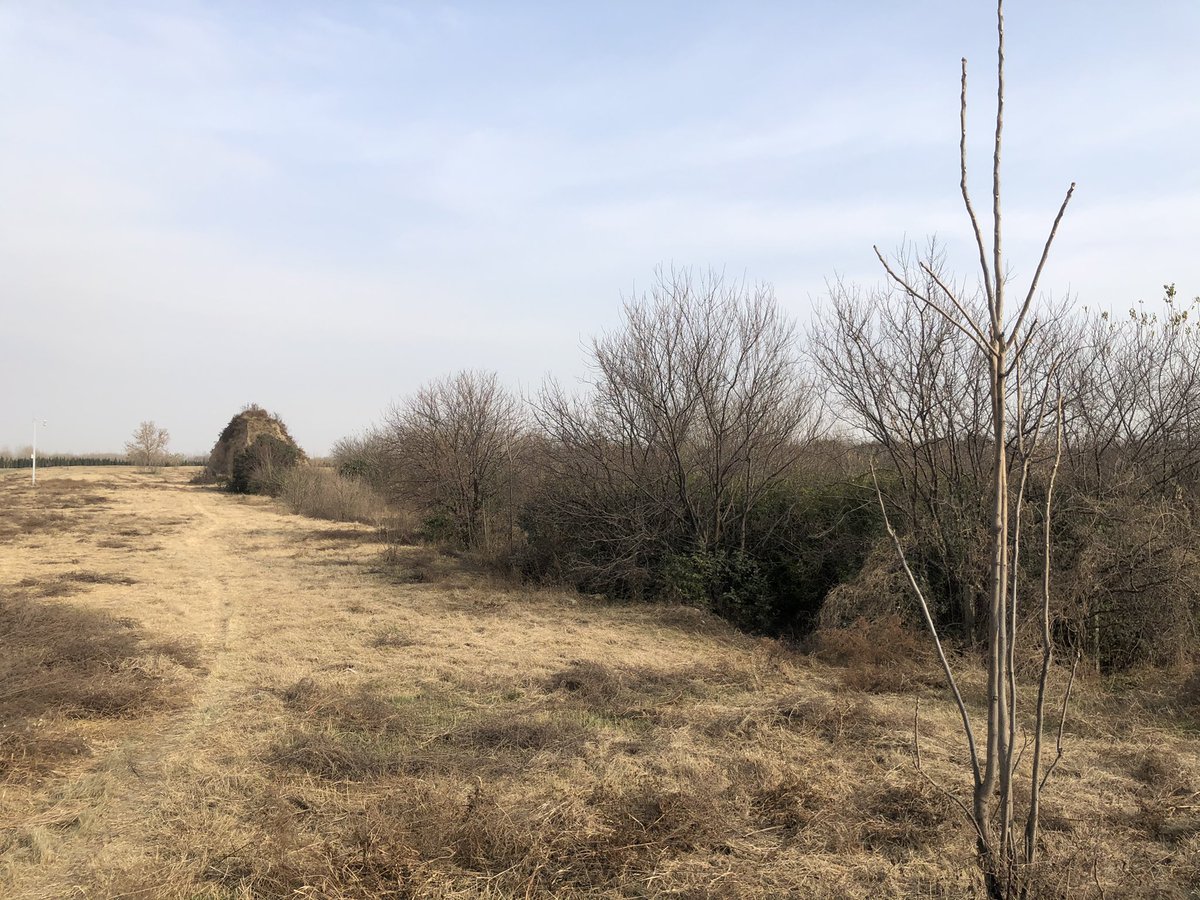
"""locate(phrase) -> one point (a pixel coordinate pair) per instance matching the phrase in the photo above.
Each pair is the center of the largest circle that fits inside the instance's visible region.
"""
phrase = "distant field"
(204, 697)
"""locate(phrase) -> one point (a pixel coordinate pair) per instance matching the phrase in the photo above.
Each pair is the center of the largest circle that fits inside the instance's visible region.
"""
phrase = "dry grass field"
(202, 696)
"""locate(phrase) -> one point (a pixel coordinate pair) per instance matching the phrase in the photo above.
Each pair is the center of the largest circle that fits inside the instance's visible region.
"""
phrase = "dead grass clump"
(692, 620)
(507, 732)
(425, 832)
(360, 710)
(339, 756)
(405, 564)
(878, 656)
(31, 751)
(1167, 806)
(593, 683)
(1162, 770)
(879, 642)
(653, 818)
(358, 735)
(183, 652)
(68, 583)
(837, 719)
(52, 508)
(392, 638)
(640, 692)
(23, 522)
(1187, 698)
(905, 818)
(468, 834)
(58, 662)
(1163, 821)
(78, 501)
(346, 534)
(84, 576)
(789, 804)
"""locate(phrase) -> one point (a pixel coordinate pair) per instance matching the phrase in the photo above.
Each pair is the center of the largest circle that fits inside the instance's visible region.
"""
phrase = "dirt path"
(231, 575)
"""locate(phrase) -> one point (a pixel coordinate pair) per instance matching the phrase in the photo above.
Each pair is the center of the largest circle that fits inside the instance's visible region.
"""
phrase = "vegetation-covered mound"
(253, 451)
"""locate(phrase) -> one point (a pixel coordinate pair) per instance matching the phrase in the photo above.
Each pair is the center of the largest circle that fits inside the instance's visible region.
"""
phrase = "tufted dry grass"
(389, 722)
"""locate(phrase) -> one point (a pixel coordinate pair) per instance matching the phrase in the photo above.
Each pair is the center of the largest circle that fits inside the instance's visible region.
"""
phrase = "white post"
(33, 468)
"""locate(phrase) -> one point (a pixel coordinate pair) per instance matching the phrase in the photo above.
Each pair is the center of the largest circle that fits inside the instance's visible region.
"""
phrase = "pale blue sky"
(316, 207)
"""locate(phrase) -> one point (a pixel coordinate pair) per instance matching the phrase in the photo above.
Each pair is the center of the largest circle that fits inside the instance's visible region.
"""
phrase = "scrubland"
(204, 696)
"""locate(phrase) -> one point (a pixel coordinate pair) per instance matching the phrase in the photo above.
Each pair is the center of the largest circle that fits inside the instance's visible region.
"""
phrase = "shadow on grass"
(60, 663)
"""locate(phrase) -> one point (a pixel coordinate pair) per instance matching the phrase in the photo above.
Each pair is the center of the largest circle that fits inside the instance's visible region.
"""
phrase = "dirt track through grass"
(200, 567)
(308, 716)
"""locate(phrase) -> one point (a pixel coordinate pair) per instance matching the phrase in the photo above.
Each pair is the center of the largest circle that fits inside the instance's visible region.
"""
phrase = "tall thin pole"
(33, 456)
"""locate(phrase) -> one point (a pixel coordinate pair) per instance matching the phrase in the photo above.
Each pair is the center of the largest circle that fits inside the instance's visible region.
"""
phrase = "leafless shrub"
(696, 409)
(1134, 428)
(917, 387)
(887, 642)
(324, 493)
(205, 477)
(452, 450)
(1129, 577)
(366, 457)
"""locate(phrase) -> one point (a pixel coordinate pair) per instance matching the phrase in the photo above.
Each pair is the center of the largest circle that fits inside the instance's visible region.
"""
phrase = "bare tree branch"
(1025, 306)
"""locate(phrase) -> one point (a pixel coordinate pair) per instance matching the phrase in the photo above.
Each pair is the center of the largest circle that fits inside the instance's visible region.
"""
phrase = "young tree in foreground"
(1015, 419)
(148, 446)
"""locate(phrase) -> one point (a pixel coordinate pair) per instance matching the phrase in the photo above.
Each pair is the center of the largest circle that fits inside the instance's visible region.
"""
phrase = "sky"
(316, 207)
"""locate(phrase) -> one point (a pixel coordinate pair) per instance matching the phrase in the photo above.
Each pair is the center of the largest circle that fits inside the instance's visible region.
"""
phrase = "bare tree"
(1132, 467)
(1014, 406)
(695, 409)
(452, 450)
(1137, 421)
(916, 387)
(148, 446)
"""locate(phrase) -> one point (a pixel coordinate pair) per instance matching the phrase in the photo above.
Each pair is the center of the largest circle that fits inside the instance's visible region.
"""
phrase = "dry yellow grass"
(318, 718)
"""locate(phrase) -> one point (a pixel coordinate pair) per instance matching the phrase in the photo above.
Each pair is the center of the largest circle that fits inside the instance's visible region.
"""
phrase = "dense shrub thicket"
(260, 467)
(324, 493)
(695, 464)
